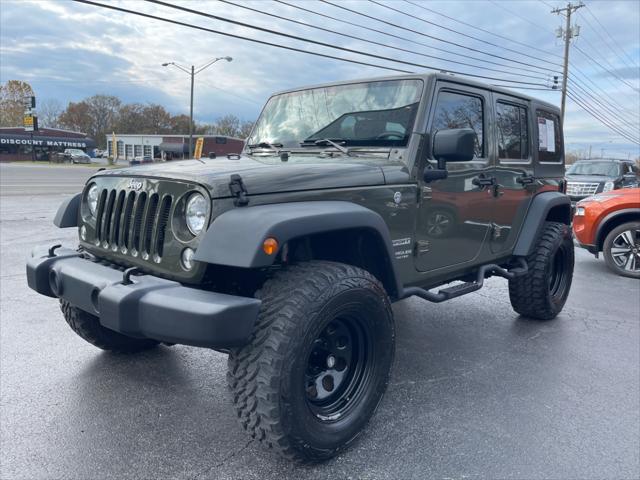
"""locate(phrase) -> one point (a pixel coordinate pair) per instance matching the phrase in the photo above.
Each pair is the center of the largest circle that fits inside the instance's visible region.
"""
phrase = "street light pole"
(193, 72)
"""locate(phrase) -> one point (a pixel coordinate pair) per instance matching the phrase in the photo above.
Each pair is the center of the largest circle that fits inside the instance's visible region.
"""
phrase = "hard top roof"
(426, 77)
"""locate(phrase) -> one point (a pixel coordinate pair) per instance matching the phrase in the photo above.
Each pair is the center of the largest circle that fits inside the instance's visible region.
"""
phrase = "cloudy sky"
(69, 51)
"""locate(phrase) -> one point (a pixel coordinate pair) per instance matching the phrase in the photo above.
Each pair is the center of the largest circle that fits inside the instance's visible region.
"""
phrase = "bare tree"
(49, 111)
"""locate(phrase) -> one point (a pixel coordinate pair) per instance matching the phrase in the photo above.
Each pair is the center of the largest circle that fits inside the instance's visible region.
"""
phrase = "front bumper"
(148, 307)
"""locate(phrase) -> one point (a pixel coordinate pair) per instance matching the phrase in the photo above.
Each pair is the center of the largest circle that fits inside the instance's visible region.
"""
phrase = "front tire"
(542, 292)
(318, 361)
(88, 327)
(622, 250)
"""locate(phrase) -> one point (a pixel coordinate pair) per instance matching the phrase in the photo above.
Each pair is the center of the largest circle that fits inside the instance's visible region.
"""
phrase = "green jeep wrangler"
(346, 198)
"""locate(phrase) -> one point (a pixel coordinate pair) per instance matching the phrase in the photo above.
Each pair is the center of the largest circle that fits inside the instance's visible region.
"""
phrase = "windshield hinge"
(238, 190)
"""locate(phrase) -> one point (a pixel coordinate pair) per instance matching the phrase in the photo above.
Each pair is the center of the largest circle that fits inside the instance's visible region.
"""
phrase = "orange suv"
(610, 223)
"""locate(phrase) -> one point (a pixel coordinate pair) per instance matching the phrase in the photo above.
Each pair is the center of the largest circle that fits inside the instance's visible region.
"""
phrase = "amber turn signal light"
(270, 246)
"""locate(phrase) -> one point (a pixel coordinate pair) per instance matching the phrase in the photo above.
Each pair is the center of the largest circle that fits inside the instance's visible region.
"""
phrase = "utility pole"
(193, 74)
(567, 33)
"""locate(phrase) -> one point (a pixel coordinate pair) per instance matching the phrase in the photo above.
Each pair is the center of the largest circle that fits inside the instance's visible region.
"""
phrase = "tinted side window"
(221, 140)
(549, 141)
(455, 110)
(513, 131)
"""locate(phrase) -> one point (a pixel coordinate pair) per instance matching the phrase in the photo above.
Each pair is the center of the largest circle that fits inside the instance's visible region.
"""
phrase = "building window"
(120, 145)
(110, 148)
(138, 150)
(147, 150)
(513, 133)
(128, 151)
(221, 140)
(455, 110)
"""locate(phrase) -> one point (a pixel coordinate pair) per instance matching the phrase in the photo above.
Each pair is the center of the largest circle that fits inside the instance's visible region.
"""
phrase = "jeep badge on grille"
(135, 184)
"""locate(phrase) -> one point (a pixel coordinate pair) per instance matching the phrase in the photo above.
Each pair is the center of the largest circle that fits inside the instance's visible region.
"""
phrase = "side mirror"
(454, 145)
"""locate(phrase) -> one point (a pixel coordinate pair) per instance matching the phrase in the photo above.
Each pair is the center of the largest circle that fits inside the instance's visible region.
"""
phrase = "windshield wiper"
(266, 145)
(327, 141)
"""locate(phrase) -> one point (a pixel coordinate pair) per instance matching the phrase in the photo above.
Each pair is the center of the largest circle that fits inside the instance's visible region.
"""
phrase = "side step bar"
(464, 288)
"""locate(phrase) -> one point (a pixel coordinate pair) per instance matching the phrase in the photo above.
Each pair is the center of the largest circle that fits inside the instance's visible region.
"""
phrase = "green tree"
(12, 96)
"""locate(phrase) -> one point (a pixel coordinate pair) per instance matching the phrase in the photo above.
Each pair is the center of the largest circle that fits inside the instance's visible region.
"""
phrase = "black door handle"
(482, 181)
(525, 179)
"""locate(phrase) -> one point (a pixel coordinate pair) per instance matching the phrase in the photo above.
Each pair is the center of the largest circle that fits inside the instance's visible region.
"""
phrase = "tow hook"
(52, 250)
(126, 275)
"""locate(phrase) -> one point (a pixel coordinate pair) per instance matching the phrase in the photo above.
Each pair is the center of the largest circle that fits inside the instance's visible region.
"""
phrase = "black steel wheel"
(338, 367)
(318, 361)
(622, 250)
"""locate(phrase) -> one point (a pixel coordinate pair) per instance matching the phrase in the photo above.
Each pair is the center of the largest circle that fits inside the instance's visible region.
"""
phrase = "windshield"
(362, 114)
(605, 169)
(75, 151)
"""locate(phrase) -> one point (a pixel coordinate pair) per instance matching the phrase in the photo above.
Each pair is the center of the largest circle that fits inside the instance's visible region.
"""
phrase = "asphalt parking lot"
(476, 391)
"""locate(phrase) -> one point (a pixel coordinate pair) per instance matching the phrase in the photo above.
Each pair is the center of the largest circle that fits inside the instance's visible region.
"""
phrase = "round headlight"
(196, 213)
(92, 199)
(608, 186)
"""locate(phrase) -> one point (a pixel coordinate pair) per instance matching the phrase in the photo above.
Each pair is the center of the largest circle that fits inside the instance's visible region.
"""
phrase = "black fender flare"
(235, 238)
(68, 212)
(539, 211)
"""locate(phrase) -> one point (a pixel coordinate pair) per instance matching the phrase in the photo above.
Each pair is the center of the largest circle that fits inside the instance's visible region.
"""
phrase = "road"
(476, 391)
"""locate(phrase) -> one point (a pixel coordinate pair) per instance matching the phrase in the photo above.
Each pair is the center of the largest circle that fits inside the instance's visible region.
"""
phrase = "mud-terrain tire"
(624, 239)
(543, 291)
(88, 327)
(318, 320)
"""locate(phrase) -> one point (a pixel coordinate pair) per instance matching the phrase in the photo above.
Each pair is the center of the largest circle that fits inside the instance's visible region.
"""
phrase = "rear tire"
(618, 250)
(543, 291)
(88, 327)
(318, 361)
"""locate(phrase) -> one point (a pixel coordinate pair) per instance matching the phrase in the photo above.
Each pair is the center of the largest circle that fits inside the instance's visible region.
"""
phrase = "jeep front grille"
(581, 189)
(132, 223)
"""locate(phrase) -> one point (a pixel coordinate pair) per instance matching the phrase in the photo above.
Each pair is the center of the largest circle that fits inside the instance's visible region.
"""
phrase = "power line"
(515, 14)
(609, 35)
(584, 103)
(589, 109)
(611, 72)
(470, 25)
(602, 102)
(239, 37)
(329, 45)
(587, 78)
(373, 42)
(433, 37)
(400, 37)
(606, 113)
(428, 22)
(526, 88)
(606, 103)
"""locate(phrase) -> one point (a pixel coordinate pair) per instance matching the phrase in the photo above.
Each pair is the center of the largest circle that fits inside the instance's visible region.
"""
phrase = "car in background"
(610, 223)
(589, 177)
(75, 155)
(139, 160)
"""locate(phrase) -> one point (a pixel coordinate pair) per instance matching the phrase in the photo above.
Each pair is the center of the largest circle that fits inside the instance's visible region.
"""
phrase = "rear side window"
(513, 131)
(549, 141)
(455, 110)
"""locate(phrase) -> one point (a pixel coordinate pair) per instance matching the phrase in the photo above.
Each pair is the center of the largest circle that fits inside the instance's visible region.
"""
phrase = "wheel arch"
(330, 230)
(545, 207)
(613, 220)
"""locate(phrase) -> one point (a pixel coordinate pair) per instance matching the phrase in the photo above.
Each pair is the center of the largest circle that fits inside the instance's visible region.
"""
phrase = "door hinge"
(238, 190)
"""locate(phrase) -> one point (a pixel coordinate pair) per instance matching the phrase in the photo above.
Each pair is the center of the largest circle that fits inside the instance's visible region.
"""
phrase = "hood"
(270, 174)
